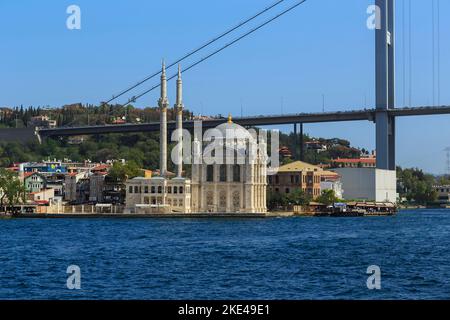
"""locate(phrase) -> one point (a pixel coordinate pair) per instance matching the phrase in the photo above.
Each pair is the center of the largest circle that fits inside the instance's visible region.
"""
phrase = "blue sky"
(323, 47)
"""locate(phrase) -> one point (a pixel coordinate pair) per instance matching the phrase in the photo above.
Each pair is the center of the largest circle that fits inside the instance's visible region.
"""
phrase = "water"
(279, 258)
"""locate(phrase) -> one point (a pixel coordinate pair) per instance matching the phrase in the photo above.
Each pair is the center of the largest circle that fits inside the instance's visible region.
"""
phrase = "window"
(288, 190)
(209, 173)
(169, 189)
(153, 189)
(297, 179)
(136, 189)
(175, 189)
(180, 190)
(146, 189)
(223, 173)
(130, 189)
(159, 189)
(237, 173)
(270, 179)
(277, 179)
(292, 179)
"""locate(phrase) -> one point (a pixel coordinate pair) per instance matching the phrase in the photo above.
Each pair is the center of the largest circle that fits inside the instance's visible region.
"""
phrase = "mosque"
(235, 185)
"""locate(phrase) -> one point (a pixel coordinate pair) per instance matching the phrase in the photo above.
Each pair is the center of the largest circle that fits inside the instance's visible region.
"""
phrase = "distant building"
(45, 167)
(113, 191)
(43, 197)
(72, 182)
(316, 146)
(331, 180)
(285, 153)
(294, 176)
(370, 162)
(42, 122)
(96, 186)
(76, 140)
(443, 193)
(34, 182)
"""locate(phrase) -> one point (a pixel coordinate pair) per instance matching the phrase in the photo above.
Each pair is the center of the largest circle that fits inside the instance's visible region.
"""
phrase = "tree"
(121, 172)
(299, 197)
(328, 197)
(12, 190)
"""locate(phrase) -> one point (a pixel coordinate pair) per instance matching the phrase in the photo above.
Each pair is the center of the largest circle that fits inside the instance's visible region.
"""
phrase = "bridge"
(384, 114)
(263, 120)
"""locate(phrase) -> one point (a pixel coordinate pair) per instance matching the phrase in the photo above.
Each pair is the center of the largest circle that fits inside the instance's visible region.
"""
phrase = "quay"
(140, 215)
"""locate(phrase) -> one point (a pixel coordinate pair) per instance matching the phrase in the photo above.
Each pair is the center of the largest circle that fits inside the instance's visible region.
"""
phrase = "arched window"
(175, 189)
(153, 189)
(181, 190)
(159, 189)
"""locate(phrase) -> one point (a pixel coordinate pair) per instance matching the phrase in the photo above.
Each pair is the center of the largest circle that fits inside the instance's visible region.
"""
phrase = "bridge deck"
(357, 115)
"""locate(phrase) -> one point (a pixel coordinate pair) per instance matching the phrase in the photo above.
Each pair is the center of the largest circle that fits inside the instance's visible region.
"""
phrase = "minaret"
(179, 113)
(163, 104)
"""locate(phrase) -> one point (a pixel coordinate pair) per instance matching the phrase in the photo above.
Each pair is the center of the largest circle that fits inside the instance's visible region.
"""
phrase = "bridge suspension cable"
(189, 54)
(134, 98)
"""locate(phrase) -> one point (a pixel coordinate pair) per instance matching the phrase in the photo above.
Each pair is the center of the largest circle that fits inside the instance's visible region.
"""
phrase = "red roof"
(101, 167)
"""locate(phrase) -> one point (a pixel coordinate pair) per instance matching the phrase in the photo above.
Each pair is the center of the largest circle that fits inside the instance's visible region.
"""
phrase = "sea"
(406, 256)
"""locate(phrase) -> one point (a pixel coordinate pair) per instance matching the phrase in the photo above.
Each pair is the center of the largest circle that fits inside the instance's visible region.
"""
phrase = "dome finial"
(230, 119)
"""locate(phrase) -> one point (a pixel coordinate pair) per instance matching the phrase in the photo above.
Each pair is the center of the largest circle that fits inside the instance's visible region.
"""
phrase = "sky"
(322, 48)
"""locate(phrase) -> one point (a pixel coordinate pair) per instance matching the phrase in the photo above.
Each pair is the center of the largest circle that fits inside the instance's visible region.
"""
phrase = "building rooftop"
(298, 166)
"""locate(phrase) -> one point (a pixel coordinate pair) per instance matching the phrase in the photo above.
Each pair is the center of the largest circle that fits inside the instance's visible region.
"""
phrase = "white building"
(215, 187)
(369, 184)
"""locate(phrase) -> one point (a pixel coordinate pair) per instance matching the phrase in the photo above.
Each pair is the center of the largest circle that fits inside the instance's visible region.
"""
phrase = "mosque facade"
(233, 182)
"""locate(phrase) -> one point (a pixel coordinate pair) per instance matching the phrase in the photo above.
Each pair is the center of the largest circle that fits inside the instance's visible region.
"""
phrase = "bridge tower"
(385, 84)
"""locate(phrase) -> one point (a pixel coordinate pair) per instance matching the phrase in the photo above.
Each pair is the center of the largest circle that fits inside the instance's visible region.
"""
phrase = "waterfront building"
(368, 184)
(331, 180)
(214, 187)
(45, 196)
(294, 176)
(231, 187)
(443, 194)
(34, 181)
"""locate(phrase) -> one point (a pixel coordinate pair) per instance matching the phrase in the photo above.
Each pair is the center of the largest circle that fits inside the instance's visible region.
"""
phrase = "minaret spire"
(163, 104)
(179, 114)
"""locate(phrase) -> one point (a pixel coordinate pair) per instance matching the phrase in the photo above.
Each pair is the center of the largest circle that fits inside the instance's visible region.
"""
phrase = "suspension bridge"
(383, 115)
